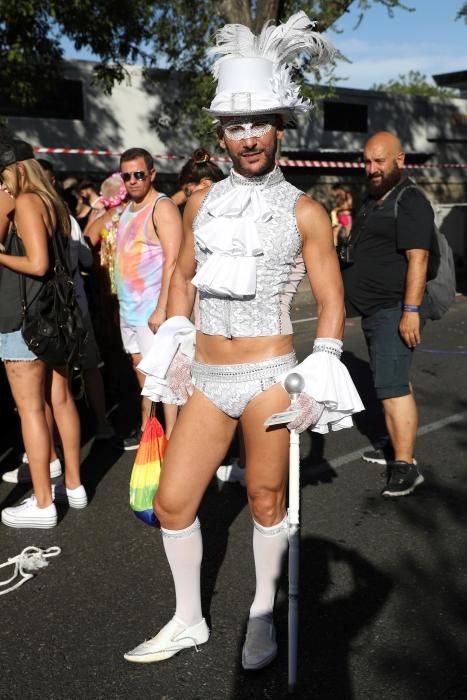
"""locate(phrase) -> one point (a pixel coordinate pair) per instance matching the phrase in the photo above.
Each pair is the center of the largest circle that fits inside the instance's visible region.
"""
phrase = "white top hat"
(254, 72)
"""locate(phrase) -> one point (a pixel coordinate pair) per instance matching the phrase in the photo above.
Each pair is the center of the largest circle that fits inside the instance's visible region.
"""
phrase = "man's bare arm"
(415, 283)
(169, 232)
(181, 292)
(322, 266)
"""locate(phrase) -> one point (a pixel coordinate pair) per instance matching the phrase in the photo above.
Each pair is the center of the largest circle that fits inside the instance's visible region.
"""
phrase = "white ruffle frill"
(328, 381)
(177, 334)
(232, 242)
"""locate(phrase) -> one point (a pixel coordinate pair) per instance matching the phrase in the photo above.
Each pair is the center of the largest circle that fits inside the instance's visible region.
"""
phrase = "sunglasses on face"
(137, 174)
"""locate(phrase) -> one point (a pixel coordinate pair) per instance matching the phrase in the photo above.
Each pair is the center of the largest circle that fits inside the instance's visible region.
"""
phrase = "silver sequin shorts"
(232, 387)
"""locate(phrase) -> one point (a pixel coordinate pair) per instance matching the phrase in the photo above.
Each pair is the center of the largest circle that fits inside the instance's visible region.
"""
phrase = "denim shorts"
(13, 347)
(390, 358)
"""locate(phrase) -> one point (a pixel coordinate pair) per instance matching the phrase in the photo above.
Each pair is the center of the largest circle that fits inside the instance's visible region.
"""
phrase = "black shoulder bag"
(53, 326)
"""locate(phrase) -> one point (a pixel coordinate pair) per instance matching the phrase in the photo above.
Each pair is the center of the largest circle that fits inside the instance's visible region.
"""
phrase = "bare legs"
(401, 418)
(266, 454)
(145, 402)
(68, 425)
(199, 441)
(51, 423)
(27, 383)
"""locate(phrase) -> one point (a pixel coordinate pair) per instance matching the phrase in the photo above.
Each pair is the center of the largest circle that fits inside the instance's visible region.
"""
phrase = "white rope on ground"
(27, 564)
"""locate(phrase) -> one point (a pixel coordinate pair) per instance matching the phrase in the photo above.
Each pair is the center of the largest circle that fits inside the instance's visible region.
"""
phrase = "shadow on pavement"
(341, 592)
(430, 660)
(371, 421)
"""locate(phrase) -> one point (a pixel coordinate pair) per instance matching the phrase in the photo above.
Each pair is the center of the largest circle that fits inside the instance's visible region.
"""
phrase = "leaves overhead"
(414, 83)
(463, 12)
(165, 34)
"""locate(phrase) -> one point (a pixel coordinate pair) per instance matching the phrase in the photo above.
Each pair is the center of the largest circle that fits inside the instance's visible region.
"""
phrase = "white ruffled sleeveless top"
(248, 254)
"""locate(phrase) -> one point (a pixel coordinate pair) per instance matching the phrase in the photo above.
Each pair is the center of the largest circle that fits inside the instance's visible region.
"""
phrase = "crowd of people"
(203, 311)
(116, 285)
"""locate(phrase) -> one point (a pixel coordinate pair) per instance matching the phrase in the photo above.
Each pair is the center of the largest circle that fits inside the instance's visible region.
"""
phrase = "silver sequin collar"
(275, 177)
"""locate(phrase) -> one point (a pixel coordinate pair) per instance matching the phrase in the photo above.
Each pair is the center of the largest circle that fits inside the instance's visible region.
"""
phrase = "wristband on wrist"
(411, 307)
(333, 346)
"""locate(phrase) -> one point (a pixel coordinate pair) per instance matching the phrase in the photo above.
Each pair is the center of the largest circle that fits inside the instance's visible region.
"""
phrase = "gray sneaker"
(260, 647)
(378, 456)
(403, 479)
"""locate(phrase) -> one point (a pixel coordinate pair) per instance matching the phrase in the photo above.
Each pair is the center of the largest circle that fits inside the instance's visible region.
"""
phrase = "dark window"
(64, 100)
(345, 116)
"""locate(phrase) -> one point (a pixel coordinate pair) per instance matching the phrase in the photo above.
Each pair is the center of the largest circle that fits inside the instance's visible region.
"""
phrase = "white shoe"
(75, 498)
(231, 473)
(172, 638)
(28, 514)
(22, 474)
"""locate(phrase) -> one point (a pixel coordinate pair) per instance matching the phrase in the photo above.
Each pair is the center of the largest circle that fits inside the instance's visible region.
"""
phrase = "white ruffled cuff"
(157, 390)
(175, 334)
(328, 381)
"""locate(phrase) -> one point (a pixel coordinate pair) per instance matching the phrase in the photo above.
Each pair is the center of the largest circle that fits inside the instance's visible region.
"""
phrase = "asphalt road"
(383, 604)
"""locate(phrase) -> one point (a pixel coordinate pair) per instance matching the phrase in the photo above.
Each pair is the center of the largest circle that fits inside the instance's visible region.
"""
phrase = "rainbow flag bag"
(145, 475)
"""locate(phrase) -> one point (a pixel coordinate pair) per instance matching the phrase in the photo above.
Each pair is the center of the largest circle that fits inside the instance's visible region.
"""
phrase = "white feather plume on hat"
(280, 44)
(256, 70)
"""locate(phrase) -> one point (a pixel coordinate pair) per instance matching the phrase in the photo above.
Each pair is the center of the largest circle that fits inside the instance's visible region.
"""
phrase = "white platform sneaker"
(75, 498)
(28, 514)
(22, 474)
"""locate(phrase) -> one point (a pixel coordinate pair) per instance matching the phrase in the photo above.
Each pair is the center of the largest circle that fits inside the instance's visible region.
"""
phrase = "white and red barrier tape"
(284, 162)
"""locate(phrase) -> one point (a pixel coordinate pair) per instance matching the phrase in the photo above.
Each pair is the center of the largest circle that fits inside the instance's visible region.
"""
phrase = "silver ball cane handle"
(294, 385)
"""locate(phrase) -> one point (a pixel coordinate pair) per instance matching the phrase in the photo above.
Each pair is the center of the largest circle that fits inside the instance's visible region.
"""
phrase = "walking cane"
(294, 384)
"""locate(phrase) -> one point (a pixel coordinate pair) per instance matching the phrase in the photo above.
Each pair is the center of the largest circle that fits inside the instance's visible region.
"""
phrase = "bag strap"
(401, 192)
(59, 260)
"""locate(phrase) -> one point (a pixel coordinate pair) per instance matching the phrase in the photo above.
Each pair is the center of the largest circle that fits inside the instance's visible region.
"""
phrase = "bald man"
(386, 285)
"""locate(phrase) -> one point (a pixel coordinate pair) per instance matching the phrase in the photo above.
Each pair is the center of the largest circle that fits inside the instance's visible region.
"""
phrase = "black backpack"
(441, 284)
(53, 326)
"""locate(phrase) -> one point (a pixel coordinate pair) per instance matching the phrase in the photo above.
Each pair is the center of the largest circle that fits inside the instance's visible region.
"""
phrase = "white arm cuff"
(328, 381)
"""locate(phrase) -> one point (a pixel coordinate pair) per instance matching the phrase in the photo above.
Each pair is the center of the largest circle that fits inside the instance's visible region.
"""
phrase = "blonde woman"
(39, 212)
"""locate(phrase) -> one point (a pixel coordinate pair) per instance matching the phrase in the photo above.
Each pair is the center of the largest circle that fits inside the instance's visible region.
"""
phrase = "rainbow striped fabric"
(146, 471)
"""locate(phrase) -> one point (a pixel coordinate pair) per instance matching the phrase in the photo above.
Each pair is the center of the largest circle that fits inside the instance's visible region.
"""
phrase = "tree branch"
(237, 12)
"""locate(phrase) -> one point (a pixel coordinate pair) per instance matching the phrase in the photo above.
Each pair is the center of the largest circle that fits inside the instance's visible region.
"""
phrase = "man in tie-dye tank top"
(148, 240)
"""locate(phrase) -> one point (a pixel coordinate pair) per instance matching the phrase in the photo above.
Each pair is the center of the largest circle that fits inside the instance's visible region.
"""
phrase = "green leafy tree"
(414, 83)
(463, 12)
(170, 34)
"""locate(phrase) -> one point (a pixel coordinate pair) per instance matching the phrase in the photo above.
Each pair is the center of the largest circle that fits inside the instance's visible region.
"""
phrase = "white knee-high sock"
(184, 551)
(269, 547)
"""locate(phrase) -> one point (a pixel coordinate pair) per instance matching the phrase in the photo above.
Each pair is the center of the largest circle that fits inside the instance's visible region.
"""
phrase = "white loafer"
(172, 638)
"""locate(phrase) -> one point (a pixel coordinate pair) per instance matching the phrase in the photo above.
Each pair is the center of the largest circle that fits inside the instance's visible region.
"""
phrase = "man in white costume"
(248, 241)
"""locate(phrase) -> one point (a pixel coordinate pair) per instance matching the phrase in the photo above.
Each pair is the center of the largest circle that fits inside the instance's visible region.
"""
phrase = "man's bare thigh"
(199, 441)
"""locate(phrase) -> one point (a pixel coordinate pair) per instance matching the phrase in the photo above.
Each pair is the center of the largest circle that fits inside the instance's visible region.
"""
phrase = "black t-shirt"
(376, 279)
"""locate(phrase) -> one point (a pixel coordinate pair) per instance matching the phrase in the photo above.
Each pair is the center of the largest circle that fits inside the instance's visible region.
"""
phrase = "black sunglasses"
(138, 174)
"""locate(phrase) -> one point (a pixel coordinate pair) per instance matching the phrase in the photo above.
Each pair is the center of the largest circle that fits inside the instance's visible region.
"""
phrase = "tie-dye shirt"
(138, 266)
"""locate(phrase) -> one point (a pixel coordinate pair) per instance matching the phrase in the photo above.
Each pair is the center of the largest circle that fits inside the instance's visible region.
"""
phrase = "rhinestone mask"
(237, 130)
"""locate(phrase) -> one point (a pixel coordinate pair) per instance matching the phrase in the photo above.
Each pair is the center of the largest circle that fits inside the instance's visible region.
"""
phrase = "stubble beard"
(387, 183)
(267, 167)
